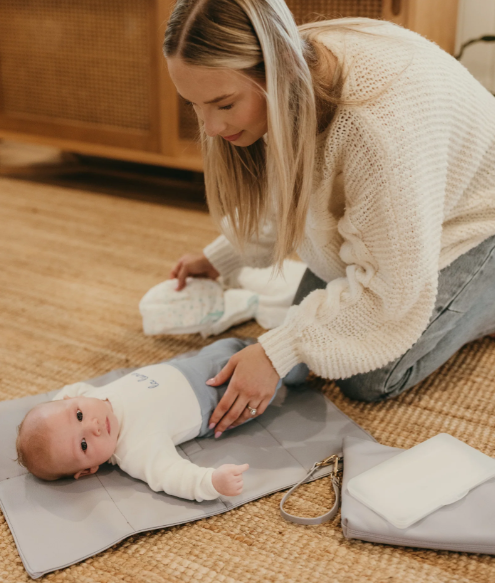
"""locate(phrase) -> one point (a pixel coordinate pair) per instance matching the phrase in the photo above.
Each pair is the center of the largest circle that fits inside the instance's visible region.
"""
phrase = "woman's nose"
(213, 126)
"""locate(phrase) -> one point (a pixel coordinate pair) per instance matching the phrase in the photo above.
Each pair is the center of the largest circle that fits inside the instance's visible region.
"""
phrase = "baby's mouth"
(108, 425)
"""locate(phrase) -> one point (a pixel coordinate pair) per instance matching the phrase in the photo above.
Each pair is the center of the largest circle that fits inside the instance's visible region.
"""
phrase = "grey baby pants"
(208, 363)
(464, 310)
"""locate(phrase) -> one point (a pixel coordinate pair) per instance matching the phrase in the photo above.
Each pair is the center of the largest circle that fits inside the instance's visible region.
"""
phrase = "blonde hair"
(33, 447)
(260, 39)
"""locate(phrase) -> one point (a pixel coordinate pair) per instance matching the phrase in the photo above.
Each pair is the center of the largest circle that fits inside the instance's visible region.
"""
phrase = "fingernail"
(218, 433)
(230, 427)
(211, 425)
(209, 381)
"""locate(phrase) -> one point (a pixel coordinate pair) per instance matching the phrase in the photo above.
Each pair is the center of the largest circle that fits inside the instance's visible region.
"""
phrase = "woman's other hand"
(253, 382)
(192, 265)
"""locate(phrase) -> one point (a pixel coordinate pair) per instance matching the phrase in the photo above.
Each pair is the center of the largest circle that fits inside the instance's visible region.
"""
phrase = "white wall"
(476, 18)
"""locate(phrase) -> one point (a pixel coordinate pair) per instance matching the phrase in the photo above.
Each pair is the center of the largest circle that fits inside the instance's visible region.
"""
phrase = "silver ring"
(252, 410)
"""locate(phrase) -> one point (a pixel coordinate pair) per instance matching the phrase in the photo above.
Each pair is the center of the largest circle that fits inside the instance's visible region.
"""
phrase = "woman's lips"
(234, 137)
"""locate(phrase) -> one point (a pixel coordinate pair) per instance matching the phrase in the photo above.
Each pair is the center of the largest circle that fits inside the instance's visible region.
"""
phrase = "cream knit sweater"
(403, 186)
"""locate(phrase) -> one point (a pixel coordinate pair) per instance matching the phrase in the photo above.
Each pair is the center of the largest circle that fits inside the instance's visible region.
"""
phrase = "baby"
(136, 422)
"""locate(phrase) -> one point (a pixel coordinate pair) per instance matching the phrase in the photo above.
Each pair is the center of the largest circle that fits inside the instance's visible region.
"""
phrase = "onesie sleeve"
(391, 229)
(257, 253)
(75, 390)
(157, 462)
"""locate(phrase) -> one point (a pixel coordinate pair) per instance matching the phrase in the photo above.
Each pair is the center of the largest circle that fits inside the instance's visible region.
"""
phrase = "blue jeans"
(464, 310)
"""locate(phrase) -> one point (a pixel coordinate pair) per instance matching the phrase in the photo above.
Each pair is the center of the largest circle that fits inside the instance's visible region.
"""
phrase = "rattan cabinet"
(88, 75)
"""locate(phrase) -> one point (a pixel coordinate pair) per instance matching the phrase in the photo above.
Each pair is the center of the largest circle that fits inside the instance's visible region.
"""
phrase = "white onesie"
(157, 409)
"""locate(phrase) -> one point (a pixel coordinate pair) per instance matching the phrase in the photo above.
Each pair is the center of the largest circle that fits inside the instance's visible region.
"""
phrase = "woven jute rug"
(74, 263)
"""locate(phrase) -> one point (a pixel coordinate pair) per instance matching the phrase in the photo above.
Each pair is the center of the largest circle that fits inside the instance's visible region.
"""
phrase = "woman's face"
(229, 104)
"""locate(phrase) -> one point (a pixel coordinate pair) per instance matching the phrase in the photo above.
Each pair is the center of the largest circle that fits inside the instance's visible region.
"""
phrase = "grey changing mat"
(57, 524)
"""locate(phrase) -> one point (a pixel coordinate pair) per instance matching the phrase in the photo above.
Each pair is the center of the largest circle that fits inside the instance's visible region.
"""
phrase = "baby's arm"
(157, 462)
(227, 479)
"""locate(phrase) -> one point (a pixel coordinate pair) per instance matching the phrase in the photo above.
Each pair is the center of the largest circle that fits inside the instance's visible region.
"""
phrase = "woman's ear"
(86, 472)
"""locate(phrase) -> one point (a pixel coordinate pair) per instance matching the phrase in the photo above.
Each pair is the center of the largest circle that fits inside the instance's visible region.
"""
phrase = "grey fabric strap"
(333, 459)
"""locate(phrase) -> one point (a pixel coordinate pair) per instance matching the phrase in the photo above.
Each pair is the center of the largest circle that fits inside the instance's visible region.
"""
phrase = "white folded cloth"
(211, 307)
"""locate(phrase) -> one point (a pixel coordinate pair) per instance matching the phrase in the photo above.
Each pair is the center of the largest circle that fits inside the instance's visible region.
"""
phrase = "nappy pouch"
(464, 525)
(409, 486)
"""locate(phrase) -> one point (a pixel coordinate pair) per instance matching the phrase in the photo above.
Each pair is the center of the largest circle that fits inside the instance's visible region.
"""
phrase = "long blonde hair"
(272, 178)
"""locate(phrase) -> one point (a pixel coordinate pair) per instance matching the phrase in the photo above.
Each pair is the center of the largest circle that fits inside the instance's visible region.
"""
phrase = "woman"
(370, 152)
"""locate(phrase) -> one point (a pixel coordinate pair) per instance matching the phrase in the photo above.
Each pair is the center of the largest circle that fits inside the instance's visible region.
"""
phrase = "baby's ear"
(86, 472)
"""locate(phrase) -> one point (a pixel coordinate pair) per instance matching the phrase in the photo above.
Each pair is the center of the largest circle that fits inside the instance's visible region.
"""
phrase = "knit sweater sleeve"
(391, 233)
(225, 258)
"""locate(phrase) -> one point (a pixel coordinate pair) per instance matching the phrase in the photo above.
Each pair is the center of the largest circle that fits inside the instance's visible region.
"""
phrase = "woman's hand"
(227, 479)
(194, 265)
(253, 381)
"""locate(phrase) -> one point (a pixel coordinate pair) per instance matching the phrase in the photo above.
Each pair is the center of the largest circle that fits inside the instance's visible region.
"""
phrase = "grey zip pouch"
(466, 525)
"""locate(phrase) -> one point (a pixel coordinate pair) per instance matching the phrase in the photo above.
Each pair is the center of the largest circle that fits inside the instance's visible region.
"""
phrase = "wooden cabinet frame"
(161, 144)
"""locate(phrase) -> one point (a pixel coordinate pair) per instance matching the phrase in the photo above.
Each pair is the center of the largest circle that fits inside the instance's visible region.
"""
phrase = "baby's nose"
(96, 427)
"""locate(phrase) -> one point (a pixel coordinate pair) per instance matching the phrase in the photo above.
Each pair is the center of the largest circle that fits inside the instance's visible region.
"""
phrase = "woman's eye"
(79, 415)
(225, 107)
(84, 445)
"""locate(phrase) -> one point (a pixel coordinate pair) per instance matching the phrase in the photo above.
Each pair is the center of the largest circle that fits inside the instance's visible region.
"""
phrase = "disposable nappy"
(211, 307)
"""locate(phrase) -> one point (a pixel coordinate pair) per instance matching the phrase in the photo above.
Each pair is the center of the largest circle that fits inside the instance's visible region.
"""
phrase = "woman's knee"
(359, 389)
(376, 385)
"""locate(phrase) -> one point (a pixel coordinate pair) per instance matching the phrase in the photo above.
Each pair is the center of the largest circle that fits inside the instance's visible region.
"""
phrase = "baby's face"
(82, 433)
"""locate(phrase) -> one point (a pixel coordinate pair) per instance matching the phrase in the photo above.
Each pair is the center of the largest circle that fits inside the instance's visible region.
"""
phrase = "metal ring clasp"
(333, 459)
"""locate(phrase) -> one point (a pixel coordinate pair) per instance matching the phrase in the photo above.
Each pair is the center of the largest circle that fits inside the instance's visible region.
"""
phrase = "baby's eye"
(84, 445)
(79, 415)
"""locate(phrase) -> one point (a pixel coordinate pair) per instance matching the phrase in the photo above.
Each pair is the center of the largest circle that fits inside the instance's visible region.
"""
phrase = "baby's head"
(70, 437)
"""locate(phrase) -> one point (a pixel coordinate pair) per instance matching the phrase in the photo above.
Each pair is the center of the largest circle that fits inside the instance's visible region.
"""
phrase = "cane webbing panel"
(309, 10)
(87, 61)
(303, 11)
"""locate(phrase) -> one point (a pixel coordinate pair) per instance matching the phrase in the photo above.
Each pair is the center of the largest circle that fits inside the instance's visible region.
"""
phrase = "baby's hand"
(227, 479)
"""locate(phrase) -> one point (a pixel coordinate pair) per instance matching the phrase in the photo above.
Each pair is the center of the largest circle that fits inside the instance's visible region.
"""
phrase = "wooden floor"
(81, 241)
